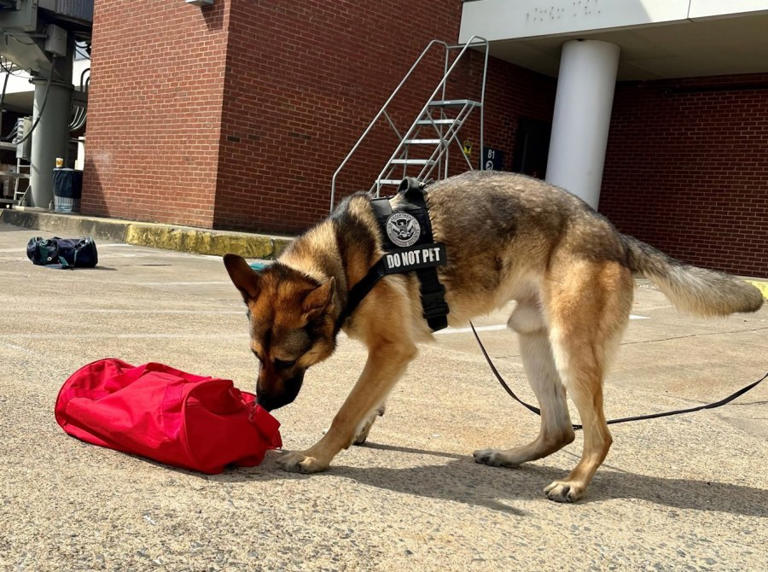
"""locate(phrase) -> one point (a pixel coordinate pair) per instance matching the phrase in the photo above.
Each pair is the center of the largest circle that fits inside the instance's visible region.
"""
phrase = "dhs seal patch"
(403, 229)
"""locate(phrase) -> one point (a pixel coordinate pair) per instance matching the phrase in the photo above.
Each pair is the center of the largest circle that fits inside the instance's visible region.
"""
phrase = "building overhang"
(658, 38)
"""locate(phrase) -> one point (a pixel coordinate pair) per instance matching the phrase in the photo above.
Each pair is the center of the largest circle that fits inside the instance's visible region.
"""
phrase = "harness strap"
(432, 291)
(360, 291)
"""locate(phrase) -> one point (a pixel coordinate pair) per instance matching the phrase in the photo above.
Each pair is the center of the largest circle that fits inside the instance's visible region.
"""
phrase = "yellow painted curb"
(184, 239)
(760, 285)
(200, 241)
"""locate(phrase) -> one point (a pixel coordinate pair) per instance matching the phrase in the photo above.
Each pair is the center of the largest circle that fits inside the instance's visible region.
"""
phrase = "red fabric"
(156, 411)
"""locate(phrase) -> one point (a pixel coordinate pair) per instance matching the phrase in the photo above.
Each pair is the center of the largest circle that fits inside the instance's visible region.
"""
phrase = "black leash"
(537, 411)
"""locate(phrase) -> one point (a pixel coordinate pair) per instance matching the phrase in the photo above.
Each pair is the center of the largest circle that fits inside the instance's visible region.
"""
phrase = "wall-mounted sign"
(492, 160)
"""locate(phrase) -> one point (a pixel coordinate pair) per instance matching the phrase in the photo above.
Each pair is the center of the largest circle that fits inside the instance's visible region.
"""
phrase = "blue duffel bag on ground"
(65, 252)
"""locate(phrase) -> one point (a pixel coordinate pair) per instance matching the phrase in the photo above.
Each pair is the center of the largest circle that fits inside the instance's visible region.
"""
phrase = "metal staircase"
(424, 150)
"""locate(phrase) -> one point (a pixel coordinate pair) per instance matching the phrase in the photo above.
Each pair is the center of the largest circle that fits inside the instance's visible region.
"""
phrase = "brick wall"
(687, 169)
(303, 81)
(154, 110)
(237, 116)
(513, 92)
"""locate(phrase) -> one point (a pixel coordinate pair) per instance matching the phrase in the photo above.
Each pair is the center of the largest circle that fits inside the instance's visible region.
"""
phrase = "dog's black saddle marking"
(406, 234)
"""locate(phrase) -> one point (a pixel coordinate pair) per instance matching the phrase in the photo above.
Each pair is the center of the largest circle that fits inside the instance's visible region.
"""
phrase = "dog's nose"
(268, 403)
(282, 394)
(272, 402)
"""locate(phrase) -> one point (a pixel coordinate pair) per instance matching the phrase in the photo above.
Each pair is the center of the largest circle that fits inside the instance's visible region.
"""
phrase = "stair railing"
(443, 146)
(474, 41)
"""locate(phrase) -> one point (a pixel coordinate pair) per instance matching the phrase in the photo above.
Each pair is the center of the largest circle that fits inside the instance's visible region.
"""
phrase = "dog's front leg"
(387, 361)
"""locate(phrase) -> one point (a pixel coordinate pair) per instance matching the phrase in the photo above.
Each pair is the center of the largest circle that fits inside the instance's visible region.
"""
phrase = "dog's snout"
(279, 394)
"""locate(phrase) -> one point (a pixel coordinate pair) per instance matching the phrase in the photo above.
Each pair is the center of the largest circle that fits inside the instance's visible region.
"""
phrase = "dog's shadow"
(462, 480)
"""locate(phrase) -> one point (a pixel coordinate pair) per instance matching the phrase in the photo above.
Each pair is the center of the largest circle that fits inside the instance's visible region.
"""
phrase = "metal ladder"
(442, 119)
(20, 196)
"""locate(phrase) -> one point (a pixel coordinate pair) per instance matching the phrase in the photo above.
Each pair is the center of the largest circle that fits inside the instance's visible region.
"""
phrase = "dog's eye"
(283, 364)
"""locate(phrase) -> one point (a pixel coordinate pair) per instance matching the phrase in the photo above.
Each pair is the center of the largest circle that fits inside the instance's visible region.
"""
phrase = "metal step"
(412, 162)
(425, 141)
(435, 122)
(389, 181)
(453, 102)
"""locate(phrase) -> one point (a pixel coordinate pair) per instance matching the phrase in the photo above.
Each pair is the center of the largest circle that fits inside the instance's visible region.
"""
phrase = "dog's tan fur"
(507, 237)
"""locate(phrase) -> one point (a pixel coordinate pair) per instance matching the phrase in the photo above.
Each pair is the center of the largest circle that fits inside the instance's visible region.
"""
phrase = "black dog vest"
(409, 246)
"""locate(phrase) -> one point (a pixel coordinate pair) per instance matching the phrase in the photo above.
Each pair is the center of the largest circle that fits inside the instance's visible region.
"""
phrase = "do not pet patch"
(414, 258)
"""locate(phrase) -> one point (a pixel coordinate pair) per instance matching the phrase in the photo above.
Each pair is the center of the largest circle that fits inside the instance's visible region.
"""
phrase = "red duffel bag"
(156, 411)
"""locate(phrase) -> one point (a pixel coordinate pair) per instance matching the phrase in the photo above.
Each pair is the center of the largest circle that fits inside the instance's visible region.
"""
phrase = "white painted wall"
(505, 19)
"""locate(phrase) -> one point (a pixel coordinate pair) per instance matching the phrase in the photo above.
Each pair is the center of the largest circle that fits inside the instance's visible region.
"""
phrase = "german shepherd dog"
(507, 237)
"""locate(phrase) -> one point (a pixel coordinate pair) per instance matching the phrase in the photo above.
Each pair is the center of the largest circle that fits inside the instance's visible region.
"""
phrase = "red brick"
(687, 169)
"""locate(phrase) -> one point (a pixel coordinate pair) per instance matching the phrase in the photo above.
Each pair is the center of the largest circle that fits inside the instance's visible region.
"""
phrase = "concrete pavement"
(678, 493)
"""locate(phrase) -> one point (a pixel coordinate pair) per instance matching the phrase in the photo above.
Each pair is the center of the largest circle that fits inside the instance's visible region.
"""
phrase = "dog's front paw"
(300, 462)
(487, 457)
(564, 491)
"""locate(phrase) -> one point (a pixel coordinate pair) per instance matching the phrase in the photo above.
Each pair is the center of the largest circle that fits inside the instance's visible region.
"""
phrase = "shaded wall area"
(687, 169)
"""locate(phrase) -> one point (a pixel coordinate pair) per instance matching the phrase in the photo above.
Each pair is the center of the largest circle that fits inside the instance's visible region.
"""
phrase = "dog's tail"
(690, 288)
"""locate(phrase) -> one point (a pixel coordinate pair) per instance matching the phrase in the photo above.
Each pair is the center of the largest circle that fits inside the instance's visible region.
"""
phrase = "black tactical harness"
(406, 234)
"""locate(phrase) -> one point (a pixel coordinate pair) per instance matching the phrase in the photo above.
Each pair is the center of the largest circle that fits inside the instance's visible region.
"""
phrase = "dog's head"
(291, 324)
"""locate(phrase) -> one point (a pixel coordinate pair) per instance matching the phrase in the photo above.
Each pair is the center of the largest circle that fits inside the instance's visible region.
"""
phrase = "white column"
(582, 116)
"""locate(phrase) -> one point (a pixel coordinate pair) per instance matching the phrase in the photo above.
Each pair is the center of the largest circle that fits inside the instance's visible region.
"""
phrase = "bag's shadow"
(460, 479)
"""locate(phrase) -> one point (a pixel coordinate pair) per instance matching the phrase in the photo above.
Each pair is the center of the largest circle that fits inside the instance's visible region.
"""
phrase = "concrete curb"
(169, 237)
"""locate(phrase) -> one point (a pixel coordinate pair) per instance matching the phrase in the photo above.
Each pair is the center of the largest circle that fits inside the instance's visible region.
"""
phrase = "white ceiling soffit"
(658, 39)
(720, 8)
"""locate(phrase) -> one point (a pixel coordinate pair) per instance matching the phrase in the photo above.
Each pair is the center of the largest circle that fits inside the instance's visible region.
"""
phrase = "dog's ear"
(318, 300)
(243, 276)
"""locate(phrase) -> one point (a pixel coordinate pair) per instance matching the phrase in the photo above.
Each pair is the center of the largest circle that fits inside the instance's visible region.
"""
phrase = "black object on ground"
(64, 252)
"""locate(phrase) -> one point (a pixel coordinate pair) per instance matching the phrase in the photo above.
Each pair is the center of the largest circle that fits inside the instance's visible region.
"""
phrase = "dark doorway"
(531, 147)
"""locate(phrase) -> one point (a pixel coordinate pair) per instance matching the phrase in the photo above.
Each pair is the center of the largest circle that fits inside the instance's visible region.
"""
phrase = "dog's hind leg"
(587, 312)
(556, 430)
